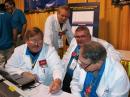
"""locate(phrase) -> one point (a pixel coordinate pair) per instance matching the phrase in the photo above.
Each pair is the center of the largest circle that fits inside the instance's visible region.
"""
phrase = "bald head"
(63, 13)
(66, 8)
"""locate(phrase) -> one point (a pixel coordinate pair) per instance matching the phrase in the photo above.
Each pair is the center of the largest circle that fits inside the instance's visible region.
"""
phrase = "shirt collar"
(28, 52)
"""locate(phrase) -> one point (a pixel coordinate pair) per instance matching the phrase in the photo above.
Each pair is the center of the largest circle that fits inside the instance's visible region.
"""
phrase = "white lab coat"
(52, 28)
(114, 54)
(114, 81)
(20, 62)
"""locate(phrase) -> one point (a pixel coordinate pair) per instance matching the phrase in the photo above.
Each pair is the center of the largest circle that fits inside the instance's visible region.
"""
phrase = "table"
(39, 91)
(42, 91)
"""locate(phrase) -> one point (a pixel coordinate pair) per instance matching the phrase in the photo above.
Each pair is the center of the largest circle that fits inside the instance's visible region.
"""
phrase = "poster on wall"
(86, 14)
(82, 17)
(33, 5)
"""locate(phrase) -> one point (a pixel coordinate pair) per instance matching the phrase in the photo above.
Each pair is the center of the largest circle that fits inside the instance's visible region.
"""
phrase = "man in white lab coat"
(97, 75)
(37, 60)
(82, 36)
(56, 26)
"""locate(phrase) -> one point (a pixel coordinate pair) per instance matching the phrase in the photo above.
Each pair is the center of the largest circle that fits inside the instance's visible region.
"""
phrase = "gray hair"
(94, 51)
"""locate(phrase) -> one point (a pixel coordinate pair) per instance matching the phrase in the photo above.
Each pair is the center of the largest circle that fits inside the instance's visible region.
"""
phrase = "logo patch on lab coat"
(75, 55)
(43, 63)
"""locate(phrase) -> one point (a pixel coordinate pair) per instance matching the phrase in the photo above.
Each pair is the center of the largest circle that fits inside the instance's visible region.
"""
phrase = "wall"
(114, 22)
(1, 1)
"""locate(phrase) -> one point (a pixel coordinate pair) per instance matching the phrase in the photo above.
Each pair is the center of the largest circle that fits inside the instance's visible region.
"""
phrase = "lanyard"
(92, 82)
(33, 63)
(70, 71)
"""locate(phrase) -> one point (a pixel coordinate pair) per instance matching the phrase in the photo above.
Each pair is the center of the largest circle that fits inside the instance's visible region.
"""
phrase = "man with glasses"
(98, 75)
(37, 60)
(82, 36)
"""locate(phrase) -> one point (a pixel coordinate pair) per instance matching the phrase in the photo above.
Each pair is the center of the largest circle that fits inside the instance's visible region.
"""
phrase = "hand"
(29, 75)
(55, 86)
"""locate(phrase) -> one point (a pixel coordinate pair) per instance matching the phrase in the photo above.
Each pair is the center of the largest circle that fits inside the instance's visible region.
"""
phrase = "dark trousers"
(66, 83)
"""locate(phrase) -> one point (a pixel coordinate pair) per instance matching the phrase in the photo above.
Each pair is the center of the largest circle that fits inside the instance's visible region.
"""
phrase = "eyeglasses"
(83, 65)
(36, 42)
(82, 36)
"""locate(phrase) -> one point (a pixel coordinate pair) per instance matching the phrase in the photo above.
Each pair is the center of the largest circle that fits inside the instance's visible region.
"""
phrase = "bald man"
(56, 26)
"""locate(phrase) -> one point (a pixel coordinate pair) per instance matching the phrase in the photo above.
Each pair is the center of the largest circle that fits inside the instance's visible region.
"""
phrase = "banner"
(32, 5)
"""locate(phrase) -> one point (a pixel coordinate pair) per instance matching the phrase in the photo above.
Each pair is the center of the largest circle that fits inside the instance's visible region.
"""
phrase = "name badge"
(60, 43)
(43, 63)
(73, 64)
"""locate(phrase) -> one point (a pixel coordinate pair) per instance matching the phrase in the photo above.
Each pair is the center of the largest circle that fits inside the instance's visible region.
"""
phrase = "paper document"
(43, 91)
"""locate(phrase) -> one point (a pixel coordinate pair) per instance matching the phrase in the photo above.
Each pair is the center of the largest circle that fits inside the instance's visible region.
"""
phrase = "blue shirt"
(6, 37)
(92, 81)
(32, 57)
(18, 19)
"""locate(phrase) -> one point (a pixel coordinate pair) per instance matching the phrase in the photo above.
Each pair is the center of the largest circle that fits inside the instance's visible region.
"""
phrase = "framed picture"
(85, 14)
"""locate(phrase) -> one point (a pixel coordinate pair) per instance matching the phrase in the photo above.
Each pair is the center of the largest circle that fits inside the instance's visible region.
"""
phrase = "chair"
(126, 60)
